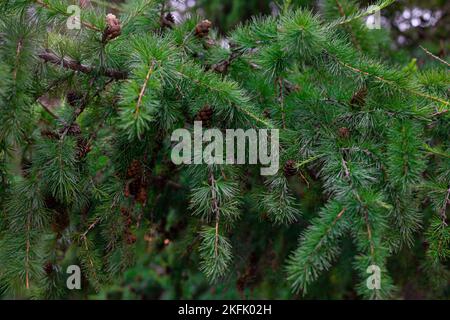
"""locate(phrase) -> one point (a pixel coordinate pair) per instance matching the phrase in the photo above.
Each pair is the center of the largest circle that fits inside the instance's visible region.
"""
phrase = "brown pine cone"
(202, 28)
(134, 169)
(205, 114)
(134, 187)
(49, 134)
(168, 20)
(344, 133)
(73, 98)
(130, 238)
(126, 191)
(113, 29)
(289, 168)
(359, 97)
(74, 130)
(221, 67)
(60, 222)
(141, 197)
(124, 212)
(48, 268)
(83, 148)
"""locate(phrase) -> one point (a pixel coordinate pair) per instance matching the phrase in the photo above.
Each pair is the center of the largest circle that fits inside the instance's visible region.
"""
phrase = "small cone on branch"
(134, 187)
(134, 169)
(359, 97)
(221, 67)
(289, 168)
(83, 148)
(124, 212)
(73, 98)
(170, 17)
(49, 134)
(202, 28)
(74, 130)
(205, 114)
(344, 132)
(60, 222)
(130, 238)
(113, 29)
(127, 192)
(141, 196)
(168, 20)
(48, 268)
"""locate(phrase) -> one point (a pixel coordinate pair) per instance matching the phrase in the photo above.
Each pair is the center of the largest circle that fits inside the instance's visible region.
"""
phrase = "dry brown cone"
(83, 148)
(289, 168)
(49, 134)
(126, 191)
(113, 29)
(359, 97)
(134, 187)
(48, 268)
(60, 222)
(202, 28)
(74, 130)
(134, 169)
(130, 238)
(73, 98)
(168, 20)
(205, 115)
(141, 197)
(124, 212)
(221, 67)
(344, 133)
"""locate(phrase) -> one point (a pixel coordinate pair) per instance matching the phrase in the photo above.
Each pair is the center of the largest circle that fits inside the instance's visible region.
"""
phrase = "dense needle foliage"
(86, 175)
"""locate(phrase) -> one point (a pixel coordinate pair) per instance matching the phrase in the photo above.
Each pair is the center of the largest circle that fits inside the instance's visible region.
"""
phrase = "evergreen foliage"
(86, 176)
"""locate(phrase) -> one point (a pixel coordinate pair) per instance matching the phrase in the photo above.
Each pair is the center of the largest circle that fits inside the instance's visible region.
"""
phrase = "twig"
(215, 209)
(91, 226)
(18, 50)
(435, 57)
(69, 63)
(281, 99)
(83, 105)
(49, 111)
(144, 86)
(301, 164)
(344, 164)
(348, 27)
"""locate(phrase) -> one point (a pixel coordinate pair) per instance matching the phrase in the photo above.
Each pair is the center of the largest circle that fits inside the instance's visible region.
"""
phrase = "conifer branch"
(144, 86)
(215, 210)
(367, 12)
(392, 83)
(281, 99)
(68, 63)
(301, 164)
(349, 27)
(18, 50)
(435, 57)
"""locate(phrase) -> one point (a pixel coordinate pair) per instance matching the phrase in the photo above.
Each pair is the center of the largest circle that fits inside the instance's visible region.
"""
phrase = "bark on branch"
(69, 63)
